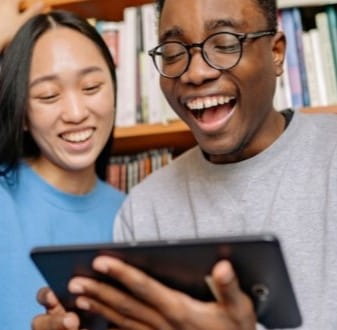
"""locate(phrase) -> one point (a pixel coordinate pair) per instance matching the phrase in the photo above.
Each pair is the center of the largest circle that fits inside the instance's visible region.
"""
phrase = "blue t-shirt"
(35, 213)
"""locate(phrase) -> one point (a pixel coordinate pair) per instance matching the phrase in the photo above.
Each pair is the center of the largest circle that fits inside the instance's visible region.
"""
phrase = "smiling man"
(254, 170)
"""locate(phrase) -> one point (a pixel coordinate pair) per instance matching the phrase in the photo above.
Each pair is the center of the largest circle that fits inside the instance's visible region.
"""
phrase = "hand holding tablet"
(185, 266)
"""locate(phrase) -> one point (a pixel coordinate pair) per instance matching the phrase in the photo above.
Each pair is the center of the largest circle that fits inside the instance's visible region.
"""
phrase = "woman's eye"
(92, 89)
(48, 98)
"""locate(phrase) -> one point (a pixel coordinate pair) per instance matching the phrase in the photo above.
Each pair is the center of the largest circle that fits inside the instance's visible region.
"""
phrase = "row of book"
(310, 70)
(309, 77)
(126, 171)
(139, 98)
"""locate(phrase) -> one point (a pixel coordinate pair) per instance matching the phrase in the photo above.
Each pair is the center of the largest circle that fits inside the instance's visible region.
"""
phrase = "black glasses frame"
(242, 37)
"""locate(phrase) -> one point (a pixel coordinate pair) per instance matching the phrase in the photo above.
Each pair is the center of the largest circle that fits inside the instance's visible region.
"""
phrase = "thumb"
(226, 283)
(230, 294)
(35, 9)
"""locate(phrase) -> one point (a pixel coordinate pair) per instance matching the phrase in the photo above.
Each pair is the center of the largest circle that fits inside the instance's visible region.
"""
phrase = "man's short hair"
(268, 7)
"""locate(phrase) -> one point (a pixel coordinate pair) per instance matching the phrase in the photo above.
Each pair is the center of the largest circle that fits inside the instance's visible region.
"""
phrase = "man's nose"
(199, 70)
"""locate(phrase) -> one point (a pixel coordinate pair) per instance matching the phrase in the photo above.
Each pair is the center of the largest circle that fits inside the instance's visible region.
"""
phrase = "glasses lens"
(171, 59)
(223, 50)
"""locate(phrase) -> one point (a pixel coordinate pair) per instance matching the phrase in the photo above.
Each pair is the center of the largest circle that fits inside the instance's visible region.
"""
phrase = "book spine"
(292, 59)
(328, 63)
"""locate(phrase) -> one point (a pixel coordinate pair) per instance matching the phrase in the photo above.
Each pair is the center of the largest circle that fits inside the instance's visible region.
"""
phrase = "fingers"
(169, 303)
(46, 298)
(120, 320)
(226, 282)
(12, 19)
(141, 285)
(56, 317)
(35, 9)
(68, 321)
(237, 303)
(115, 305)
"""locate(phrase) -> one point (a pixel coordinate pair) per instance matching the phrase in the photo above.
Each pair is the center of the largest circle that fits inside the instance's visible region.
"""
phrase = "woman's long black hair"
(15, 143)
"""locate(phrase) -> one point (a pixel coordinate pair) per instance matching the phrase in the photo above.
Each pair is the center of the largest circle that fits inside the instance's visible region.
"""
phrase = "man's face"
(236, 120)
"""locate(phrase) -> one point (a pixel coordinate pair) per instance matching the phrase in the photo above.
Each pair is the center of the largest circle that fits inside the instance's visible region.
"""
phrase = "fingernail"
(75, 288)
(83, 304)
(70, 322)
(100, 266)
(51, 298)
(227, 274)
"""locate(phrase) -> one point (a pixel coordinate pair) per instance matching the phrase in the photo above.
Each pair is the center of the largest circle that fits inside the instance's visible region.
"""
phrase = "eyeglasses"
(222, 51)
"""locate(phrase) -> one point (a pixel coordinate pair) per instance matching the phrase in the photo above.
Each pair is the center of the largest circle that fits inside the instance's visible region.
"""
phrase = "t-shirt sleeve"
(122, 229)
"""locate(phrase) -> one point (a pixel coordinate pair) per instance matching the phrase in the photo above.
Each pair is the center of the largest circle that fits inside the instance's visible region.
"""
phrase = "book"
(126, 115)
(309, 62)
(332, 22)
(328, 62)
(110, 34)
(292, 58)
(318, 66)
(298, 29)
(154, 97)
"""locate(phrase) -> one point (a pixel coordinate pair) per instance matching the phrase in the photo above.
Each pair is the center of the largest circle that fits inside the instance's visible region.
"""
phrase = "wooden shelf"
(100, 9)
(146, 136)
(321, 109)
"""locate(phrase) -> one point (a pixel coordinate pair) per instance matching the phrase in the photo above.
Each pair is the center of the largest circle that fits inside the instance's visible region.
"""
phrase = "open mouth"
(78, 137)
(211, 109)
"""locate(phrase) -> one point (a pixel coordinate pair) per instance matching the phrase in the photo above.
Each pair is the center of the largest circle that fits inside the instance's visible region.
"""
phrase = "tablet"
(184, 265)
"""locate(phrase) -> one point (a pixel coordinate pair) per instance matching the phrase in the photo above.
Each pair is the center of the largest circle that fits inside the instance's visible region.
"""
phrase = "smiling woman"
(57, 114)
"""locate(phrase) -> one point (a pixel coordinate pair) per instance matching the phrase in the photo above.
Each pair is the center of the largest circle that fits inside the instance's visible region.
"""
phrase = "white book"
(328, 62)
(318, 66)
(309, 62)
(126, 115)
(154, 98)
(120, 77)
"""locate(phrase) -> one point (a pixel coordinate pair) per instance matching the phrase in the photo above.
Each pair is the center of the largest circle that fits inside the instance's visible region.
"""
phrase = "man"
(255, 170)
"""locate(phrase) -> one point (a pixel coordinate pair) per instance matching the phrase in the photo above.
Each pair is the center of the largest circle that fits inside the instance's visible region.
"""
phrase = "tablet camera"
(260, 292)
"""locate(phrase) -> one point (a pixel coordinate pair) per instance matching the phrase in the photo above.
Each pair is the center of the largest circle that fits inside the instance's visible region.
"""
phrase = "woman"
(57, 101)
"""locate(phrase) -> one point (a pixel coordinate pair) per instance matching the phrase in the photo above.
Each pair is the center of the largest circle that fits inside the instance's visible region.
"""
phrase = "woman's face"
(71, 101)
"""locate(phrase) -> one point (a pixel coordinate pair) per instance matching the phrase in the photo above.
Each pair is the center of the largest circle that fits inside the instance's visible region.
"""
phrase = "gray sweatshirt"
(289, 189)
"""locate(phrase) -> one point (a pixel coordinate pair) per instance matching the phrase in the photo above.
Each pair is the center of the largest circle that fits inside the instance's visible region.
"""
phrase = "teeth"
(208, 102)
(78, 136)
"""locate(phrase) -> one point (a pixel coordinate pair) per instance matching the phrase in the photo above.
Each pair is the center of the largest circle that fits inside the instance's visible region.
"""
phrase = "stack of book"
(139, 98)
(310, 69)
(126, 171)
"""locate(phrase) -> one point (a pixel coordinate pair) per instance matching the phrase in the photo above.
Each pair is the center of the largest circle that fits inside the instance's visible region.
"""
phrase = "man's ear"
(279, 51)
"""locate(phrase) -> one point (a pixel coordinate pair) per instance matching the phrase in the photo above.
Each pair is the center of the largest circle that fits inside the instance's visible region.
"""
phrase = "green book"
(332, 20)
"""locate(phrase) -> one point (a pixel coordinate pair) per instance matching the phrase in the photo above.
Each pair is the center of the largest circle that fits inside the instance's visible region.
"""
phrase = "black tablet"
(184, 265)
